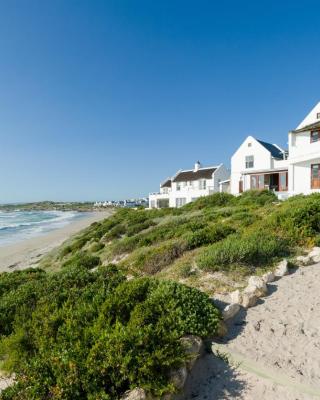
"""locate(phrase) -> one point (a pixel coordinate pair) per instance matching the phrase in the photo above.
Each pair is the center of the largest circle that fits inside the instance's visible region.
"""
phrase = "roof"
(310, 127)
(265, 171)
(311, 118)
(191, 175)
(275, 151)
(166, 183)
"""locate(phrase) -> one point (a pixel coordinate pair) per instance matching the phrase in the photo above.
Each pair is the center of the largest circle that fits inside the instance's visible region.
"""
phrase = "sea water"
(20, 225)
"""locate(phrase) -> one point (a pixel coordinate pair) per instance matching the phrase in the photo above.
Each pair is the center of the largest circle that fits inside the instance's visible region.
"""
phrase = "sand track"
(274, 347)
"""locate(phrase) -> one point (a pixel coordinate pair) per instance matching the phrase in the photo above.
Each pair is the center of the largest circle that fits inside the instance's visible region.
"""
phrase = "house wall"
(262, 160)
(153, 197)
(190, 193)
(300, 145)
(300, 177)
(220, 174)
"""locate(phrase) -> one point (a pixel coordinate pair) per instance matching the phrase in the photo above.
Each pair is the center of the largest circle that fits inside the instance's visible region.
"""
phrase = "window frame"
(248, 163)
(202, 185)
(315, 182)
(317, 131)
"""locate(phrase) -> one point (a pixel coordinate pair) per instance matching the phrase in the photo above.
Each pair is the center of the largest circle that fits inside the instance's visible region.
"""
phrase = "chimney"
(197, 165)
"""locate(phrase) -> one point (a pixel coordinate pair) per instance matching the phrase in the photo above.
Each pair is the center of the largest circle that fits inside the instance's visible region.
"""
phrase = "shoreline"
(27, 253)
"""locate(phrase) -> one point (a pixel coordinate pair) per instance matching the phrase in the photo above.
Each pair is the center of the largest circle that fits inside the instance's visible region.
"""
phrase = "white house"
(259, 165)
(304, 155)
(188, 185)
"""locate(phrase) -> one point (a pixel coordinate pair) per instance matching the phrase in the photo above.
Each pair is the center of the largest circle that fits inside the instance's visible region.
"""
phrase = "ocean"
(20, 225)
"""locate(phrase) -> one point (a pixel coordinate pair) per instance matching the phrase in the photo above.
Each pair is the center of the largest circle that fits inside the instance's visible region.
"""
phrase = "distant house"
(188, 185)
(261, 165)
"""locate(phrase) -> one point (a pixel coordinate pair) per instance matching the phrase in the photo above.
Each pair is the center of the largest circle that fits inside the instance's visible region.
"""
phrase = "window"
(249, 161)
(257, 181)
(314, 136)
(315, 176)
(180, 201)
(152, 204)
(318, 115)
(249, 144)
(202, 184)
(162, 203)
(178, 186)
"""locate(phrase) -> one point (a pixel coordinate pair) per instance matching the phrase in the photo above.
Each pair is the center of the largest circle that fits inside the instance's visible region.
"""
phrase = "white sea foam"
(21, 225)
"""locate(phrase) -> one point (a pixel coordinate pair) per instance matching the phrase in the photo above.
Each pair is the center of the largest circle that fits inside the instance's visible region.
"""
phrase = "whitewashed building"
(304, 155)
(188, 185)
(261, 165)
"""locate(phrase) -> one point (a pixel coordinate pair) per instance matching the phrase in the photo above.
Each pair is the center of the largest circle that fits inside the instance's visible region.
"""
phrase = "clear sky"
(104, 99)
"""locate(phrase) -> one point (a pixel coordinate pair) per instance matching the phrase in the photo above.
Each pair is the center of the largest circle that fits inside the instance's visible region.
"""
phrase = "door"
(283, 181)
(240, 186)
(315, 176)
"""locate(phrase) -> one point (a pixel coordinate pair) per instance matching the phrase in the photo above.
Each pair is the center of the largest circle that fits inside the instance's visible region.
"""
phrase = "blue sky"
(104, 99)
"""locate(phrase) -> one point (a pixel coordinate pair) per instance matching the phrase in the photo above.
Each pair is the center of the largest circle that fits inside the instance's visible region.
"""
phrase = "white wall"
(300, 145)
(300, 177)
(262, 160)
(189, 192)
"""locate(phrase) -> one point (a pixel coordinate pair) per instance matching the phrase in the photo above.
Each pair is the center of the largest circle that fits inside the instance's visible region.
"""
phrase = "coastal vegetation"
(106, 311)
(83, 334)
(214, 242)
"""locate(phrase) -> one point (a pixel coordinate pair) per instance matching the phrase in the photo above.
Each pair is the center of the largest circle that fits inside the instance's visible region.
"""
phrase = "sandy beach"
(273, 348)
(28, 252)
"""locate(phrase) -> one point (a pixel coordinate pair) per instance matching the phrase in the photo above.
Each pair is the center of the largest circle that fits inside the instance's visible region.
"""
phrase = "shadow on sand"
(212, 379)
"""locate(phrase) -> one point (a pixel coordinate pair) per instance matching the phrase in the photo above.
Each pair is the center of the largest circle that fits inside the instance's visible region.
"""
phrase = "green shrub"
(207, 235)
(96, 246)
(298, 218)
(115, 233)
(83, 259)
(153, 259)
(136, 228)
(254, 249)
(94, 336)
(214, 200)
(257, 197)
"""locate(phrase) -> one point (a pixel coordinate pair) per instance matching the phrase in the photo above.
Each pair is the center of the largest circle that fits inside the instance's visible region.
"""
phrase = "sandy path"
(275, 347)
(28, 252)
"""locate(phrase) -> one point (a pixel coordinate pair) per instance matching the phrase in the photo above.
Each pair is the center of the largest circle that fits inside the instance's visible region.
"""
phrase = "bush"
(257, 197)
(83, 259)
(298, 218)
(103, 336)
(214, 200)
(136, 228)
(96, 246)
(153, 259)
(207, 235)
(254, 249)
